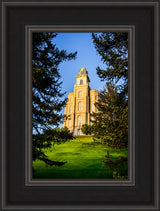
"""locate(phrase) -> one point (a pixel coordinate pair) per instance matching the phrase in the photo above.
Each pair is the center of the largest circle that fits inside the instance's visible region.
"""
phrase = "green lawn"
(84, 160)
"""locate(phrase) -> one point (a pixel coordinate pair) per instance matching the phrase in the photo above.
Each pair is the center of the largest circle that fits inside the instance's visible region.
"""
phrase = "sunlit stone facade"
(80, 104)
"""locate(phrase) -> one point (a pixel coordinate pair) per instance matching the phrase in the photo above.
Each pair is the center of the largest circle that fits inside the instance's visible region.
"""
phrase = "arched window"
(79, 120)
(70, 109)
(79, 106)
(81, 81)
(80, 94)
(69, 122)
(71, 99)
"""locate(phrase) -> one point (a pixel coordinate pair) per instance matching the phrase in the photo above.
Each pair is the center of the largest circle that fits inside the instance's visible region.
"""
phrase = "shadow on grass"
(119, 166)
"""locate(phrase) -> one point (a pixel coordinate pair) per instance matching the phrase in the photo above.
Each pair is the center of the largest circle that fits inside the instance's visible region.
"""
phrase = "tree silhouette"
(47, 97)
(110, 123)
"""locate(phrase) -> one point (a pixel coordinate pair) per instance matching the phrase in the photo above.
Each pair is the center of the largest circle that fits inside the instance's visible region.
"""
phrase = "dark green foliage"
(113, 50)
(110, 123)
(86, 129)
(48, 138)
(116, 166)
(47, 98)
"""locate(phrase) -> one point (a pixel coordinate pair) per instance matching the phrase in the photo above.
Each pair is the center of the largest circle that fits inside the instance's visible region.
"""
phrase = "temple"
(80, 104)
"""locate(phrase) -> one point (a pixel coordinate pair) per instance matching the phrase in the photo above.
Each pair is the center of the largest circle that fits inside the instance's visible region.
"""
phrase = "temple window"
(81, 81)
(80, 94)
(79, 106)
(79, 120)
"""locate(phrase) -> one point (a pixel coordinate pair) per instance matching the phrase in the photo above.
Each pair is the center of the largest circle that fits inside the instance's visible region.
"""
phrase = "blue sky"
(86, 57)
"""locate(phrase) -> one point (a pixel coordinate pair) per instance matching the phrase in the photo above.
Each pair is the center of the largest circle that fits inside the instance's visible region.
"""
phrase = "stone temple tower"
(80, 104)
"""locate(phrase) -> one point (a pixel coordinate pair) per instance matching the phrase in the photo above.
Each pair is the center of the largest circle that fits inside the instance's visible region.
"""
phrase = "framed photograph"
(81, 132)
(80, 105)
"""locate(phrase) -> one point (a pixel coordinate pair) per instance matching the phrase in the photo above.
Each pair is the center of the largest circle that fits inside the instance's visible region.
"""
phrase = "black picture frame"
(142, 193)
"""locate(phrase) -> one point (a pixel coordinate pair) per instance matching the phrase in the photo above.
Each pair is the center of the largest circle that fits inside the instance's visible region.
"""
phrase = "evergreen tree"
(110, 123)
(86, 129)
(47, 97)
(47, 139)
(113, 50)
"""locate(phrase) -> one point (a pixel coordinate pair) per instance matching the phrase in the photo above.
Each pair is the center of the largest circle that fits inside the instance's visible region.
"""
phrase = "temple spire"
(82, 77)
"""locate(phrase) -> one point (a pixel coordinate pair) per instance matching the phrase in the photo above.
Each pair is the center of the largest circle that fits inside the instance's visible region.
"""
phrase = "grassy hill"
(84, 160)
